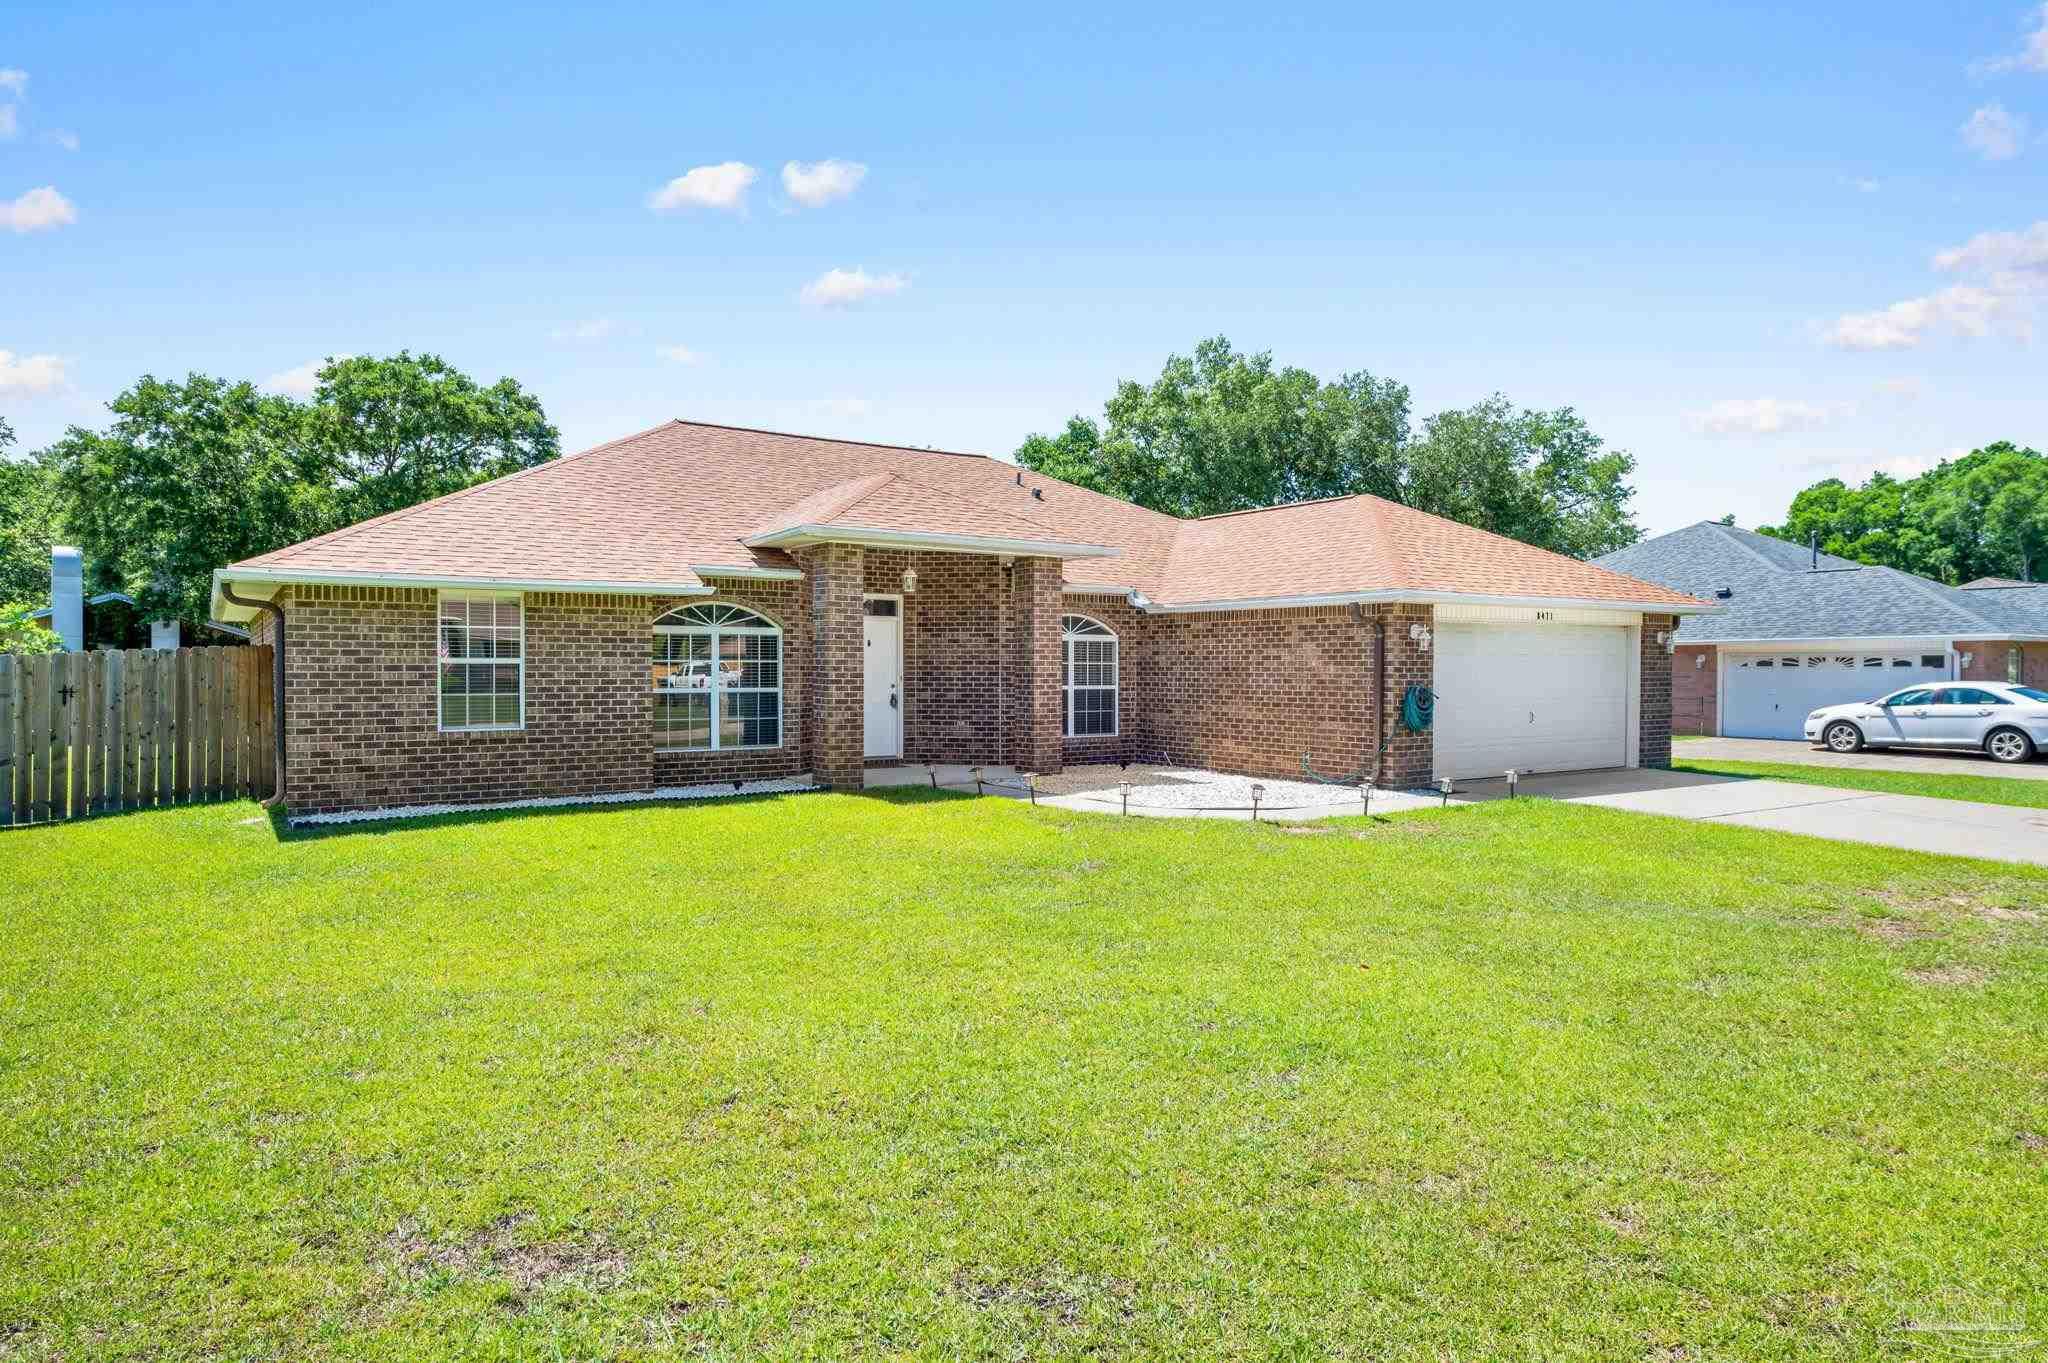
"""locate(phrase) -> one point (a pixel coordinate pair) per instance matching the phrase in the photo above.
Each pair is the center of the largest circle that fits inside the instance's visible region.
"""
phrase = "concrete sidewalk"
(1927, 761)
(1954, 827)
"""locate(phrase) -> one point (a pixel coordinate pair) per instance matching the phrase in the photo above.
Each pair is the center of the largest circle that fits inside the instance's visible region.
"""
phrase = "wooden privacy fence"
(92, 733)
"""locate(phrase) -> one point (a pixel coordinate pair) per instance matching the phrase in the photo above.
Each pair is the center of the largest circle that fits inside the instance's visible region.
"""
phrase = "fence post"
(78, 741)
(166, 722)
(116, 734)
(24, 756)
(145, 728)
(6, 739)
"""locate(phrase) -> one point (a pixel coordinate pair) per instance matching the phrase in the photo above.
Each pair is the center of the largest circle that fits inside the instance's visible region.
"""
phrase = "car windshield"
(2029, 692)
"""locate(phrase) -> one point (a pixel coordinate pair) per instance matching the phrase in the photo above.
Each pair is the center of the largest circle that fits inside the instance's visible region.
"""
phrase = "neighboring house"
(112, 619)
(1804, 629)
(702, 603)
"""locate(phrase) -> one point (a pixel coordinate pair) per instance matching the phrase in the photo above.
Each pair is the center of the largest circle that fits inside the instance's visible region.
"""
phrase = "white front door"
(883, 642)
(1532, 697)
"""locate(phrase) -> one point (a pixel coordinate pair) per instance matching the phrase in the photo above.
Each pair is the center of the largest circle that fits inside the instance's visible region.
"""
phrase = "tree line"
(1982, 515)
(1221, 430)
(191, 475)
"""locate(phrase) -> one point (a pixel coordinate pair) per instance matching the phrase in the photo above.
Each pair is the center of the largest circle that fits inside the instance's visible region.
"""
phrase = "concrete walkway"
(1930, 761)
(1955, 827)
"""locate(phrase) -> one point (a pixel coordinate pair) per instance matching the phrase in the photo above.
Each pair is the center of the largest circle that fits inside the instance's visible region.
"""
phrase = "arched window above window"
(1089, 683)
(717, 678)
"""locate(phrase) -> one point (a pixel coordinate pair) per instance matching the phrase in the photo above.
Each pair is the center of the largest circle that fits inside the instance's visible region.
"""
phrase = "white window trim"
(1067, 687)
(716, 691)
(441, 725)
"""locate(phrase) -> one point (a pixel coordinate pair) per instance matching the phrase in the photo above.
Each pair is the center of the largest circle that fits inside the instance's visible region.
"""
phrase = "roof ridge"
(950, 494)
(345, 531)
(1736, 538)
(1277, 506)
(825, 439)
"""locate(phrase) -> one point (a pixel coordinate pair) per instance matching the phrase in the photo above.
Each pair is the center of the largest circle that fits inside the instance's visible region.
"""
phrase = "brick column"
(1409, 759)
(1037, 715)
(835, 700)
(1653, 734)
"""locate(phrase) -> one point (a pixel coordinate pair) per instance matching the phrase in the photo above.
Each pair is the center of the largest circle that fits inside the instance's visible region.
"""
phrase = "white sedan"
(2008, 722)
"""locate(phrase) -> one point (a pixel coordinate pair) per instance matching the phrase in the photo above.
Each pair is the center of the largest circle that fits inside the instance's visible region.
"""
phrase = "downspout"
(227, 593)
(1379, 696)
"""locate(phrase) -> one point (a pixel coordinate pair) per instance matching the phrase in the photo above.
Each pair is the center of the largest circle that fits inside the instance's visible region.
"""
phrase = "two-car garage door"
(1534, 697)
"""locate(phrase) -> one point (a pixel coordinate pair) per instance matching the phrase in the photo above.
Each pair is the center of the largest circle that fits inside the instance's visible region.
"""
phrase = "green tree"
(188, 477)
(19, 634)
(1225, 431)
(1982, 515)
(398, 430)
(28, 524)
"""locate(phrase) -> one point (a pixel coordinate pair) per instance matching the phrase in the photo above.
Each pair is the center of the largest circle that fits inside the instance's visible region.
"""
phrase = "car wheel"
(2009, 745)
(1842, 736)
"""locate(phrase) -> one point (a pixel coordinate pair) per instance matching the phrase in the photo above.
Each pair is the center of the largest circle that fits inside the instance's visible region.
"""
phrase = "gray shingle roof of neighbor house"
(1777, 592)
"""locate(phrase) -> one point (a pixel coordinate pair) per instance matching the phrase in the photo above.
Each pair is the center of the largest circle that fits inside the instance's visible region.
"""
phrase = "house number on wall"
(1542, 616)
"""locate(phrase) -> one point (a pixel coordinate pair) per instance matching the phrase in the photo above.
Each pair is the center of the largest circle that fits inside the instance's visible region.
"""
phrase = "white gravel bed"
(721, 790)
(1194, 790)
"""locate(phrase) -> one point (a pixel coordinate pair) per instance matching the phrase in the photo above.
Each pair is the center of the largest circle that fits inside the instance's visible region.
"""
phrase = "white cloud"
(26, 374)
(590, 329)
(1905, 389)
(721, 186)
(2008, 275)
(843, 288)
(67, 140)
(1857, 469)
(1994, 134)
(14, 80)
(1763, 416)
(820, 182)
(2033, 53)
(2001, 254)
(300, 381)
(677, 354)
(10, 122)
(38, 210)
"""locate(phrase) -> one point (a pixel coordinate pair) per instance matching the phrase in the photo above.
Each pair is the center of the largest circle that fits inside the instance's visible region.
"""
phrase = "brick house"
(702, 603)
(1801, 629)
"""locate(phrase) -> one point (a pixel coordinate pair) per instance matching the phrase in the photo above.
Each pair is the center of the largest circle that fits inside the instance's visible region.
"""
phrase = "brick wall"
(1654, 715)
(1694, 704)
(1409, 759)
(834, 713)
(1989, 661)
(1252, 691)
(361, 685)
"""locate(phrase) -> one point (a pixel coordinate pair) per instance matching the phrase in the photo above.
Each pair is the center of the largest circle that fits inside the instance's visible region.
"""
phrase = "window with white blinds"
(482, 659)
(1090, 683)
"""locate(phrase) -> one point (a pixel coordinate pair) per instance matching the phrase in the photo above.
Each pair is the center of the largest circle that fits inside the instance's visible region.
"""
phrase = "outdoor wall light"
(1420, 634)
(909, 581)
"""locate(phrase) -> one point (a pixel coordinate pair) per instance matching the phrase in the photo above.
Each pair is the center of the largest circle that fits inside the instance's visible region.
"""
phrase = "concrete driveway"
(1930, 761)
(1956, 827)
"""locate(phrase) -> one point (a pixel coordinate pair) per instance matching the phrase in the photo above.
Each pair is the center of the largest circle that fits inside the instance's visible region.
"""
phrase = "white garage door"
(1768, 695)
(1531, 697)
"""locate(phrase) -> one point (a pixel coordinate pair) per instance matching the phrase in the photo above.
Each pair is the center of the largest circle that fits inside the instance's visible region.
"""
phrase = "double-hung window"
(717, 678)
(482, 658)
(1090, 680)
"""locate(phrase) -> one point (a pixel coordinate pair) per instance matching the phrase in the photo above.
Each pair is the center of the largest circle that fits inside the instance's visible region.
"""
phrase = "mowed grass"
(847, 1077)
(1992, 790)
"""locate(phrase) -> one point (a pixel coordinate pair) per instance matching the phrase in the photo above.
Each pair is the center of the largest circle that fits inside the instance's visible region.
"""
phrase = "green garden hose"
(1418, 707)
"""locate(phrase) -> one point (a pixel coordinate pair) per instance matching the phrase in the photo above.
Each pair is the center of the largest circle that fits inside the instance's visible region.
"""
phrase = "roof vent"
(1724, 592)
(1039, 493)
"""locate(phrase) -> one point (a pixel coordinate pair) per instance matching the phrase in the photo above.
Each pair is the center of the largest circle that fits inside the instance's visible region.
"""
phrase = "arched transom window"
(1090, 684)
(717, 679)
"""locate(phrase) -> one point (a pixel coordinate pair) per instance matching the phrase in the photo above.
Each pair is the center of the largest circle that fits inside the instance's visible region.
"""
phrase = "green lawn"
(833, 1076)
(1995, 790)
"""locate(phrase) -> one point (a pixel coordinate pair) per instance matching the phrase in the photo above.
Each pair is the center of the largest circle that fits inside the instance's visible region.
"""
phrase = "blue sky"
(1753, 245)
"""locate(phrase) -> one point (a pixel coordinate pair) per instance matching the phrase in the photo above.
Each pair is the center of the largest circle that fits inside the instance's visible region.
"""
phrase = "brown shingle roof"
(659, 507)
